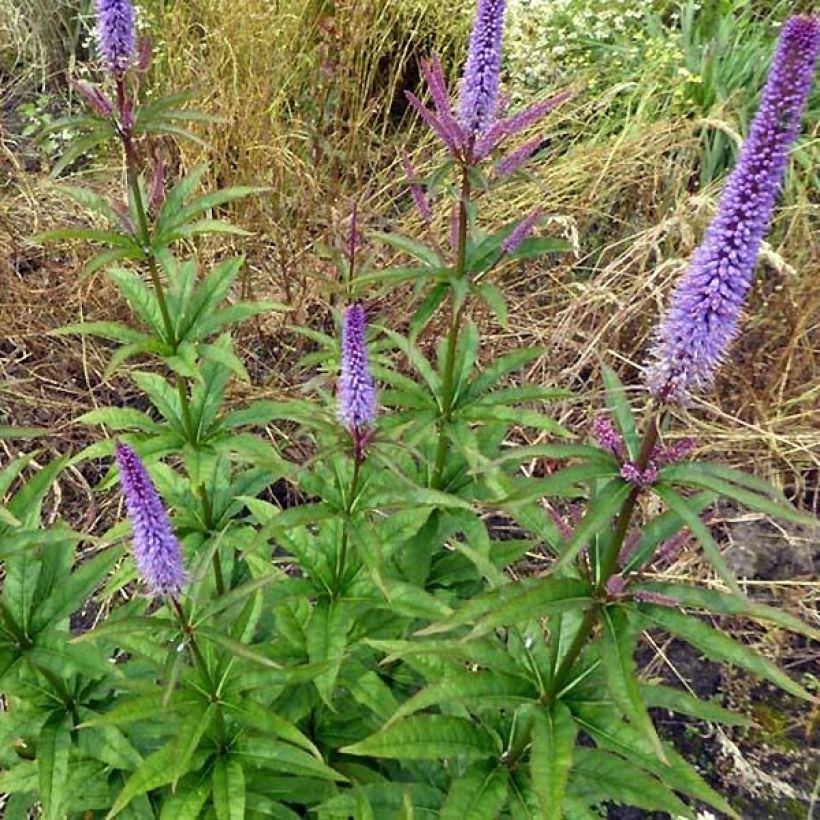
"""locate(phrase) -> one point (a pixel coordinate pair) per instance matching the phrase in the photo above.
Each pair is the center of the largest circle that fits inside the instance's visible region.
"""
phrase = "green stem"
(208, 520)
(448, 374)
(609, 566)
(341, 557)
(199, 661)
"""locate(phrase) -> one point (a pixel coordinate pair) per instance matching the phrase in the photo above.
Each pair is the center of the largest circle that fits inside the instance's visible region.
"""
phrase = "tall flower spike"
(116, 34)
(156, 550)
(479, 91)
(707, 302)
(357, 396)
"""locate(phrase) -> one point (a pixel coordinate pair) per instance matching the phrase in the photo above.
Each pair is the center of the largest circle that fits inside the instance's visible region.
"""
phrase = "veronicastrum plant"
(323, 623)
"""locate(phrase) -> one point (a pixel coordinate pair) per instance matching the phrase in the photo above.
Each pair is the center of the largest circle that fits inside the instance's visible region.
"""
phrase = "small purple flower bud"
(437, 83)
(510, 163)
(564, 529)
(645, 596)
(482, 71)
(417, 192)
(96, 100)
(629, 547)
(615, 587)
(604, 432)
(706, 305)
(357, 396)
(640, 478)
(115, 34)
(121, 210)
(156, 550)
(662, 456)
(670, 548)
(521, 231)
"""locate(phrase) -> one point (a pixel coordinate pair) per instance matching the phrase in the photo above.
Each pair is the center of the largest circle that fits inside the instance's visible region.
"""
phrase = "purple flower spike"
(510, 163)
(115, 34)
(449, 139)
(96, 100)
(357, 395)
(156, 549)
(521, 231)
(706, 304)
(479, 90)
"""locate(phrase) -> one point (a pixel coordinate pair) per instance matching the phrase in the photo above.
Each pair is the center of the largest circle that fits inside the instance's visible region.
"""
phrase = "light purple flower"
(521, 231)
(115, 34)
(640, 478)
(156, 550)
(357, 395)
(479, 90)
(706, 304)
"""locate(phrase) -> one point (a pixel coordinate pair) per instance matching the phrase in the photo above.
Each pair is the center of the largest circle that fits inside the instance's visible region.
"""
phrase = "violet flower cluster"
(707, 303)
(156, 550)
(357, 394)
(477, 130)
(116, 35)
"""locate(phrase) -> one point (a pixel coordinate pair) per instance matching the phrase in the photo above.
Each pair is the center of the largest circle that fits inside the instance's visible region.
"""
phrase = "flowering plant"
(363, 652)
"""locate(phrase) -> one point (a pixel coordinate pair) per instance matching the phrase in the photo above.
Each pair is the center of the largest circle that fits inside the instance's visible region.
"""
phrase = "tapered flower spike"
(357, 395)
(482, 72)
(116, 36)
(706, 304)
(156, 550)
(98, 102)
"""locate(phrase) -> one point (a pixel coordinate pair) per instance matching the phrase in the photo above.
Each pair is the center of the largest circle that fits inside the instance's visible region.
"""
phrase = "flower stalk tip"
(707, 303)
(116, 36)
(156, 549)
(357, 394)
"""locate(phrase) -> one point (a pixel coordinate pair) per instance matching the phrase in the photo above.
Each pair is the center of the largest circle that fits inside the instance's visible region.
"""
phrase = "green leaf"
(188, 737)
(229, 789)
(264, 720)
(410, 246)
(187, 803)
(690, 475)
(480, 794)
(598, 518)
(517, 602)
(53, 745)
(427, 737)
(656, 696)
(618, 405)
(470, 689)
(601, 776)
(156, 770)
(326, 640)
(240, 650)
(142, 300)
(105, 330)
(617, 654)
(678, 505)
(551, 755)
(722, 603)
(538, 246)
(284, 758)
(717, 645)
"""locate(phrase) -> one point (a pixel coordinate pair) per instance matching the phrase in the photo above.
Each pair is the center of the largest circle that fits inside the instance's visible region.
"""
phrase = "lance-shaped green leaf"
(516, 602)
(480, 794)
(53, 745)
(678, 504)
(156, 770)
(470, 689)
(617, 654)
(618, 404)
(411, 247)
(716, 645)
(229, 788)
(428, 737)
(260, 750)
(722, 603)
(656, 696)
(691, 475)
(598, 518)
(551, 755)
